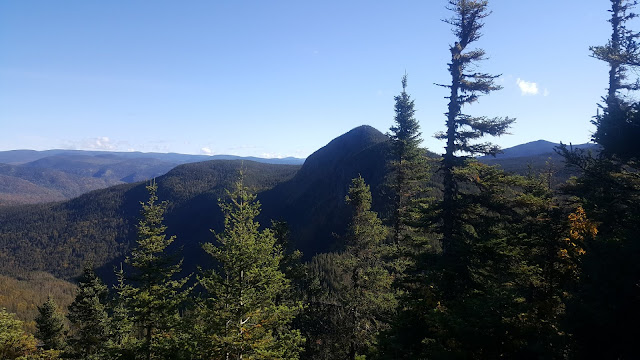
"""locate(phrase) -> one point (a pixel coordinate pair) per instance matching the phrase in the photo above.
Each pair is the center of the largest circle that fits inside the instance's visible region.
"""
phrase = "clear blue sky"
(280, 78)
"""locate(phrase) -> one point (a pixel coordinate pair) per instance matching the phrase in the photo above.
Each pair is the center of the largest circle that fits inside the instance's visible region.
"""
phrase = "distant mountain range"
(28, 176)
(535, 148)
(536, 156)
(100, 225)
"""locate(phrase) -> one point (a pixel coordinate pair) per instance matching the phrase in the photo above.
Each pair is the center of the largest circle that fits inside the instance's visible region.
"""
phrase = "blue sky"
(280, 78)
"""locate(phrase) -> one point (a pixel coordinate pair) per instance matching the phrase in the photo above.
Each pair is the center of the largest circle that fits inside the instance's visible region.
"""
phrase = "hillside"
(536, 157)
(99, 226)
(27, 184)
(28, 176)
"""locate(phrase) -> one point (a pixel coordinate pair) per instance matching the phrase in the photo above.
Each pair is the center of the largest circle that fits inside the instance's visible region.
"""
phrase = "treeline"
(60, 238)
(498, 266)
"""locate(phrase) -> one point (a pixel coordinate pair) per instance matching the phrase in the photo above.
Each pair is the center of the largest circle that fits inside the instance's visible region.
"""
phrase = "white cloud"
(527, 87)
(206, 151)
(546, 92)
(100, 143)
(271, 156)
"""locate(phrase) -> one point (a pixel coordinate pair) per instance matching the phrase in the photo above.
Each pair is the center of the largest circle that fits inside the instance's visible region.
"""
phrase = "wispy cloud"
(527, 87)
(206, 151)
(272, 156)
(103, 143)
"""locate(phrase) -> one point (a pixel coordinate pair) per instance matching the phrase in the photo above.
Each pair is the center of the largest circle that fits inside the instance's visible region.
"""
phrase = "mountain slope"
(534, 148)
(55, 175)
(23, 184)
(313, 202)
(99, 226)
(16, 157)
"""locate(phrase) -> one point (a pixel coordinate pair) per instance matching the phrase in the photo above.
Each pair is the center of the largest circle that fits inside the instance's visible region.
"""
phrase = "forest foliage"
(472, 263)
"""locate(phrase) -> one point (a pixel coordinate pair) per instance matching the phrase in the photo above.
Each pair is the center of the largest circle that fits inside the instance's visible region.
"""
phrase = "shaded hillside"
(99, 226)
(28, 176)
(313, 202)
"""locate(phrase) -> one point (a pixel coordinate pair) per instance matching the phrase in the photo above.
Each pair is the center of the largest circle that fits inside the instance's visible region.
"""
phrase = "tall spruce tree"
(619, 124)
(122, 342)
(247, 314)
(604, 314)
(408, 166)
(50, 326)
(462, 129)
(88, 317)
(366, 293)
(155, 292)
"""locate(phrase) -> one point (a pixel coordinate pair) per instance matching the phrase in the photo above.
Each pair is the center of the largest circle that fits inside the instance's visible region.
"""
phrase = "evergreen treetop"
(50, 326)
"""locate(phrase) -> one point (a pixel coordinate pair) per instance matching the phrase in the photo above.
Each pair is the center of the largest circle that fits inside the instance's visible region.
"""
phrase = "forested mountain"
(97, 226)
(29, 184)
(537, 157)
(25, 156)
(28, 176)
(535, 148)
(405, 254)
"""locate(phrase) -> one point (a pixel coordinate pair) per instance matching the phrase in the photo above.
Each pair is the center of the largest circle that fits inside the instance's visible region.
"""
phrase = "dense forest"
(411, 256)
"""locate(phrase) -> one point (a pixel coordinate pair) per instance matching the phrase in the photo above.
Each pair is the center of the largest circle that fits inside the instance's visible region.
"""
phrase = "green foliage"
(467, 85)
(88, 317)
(509, 300)
(618, 126)
(349, 294)
(246, 313)
(367, 297)
(604, 313)
(122, 342)
(14, 342)
(50, 326)
(23, 295)
(408, 165)
(155, 294)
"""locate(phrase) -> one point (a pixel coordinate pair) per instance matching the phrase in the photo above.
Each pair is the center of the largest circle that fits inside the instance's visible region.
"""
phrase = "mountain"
(100, 225)
(536, 157)
(313, 202)
(16, 157)
(24, 185)
(28, 176)
(535, 148)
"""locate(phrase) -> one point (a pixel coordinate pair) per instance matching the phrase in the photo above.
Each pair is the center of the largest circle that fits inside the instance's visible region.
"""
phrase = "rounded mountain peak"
(345, 145)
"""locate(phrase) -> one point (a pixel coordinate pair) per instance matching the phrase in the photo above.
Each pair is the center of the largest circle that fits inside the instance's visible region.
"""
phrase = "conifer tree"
(618, 126)
(122, 342)
(246, 314)
(366, 295)
(466, 87)
(155, 293)
(50, 326)
(88, 317)
(604, 314)
(408, 167)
